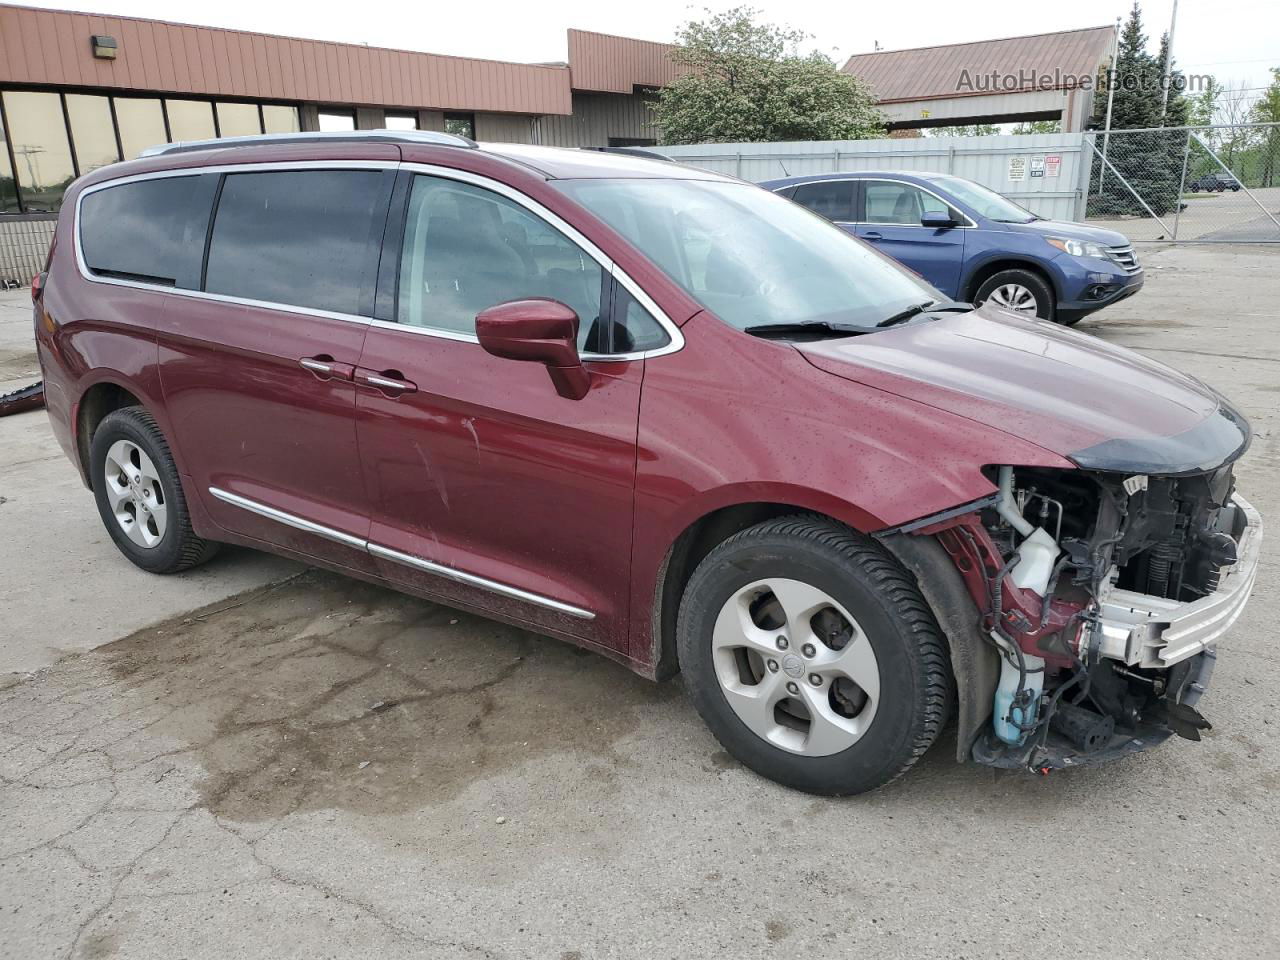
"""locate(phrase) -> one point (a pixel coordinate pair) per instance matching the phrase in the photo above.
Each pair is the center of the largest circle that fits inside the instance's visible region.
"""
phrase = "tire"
(870, 733)
(139, 495)
(994, 288)
(1195, 188)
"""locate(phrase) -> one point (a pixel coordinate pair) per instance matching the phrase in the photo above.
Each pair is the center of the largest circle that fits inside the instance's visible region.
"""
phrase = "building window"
(190, 119)
(279, 119)
(401, 121)
(238, 120)
(41, 151)
(141, 124)
(462, 124)
(92, 131)
(8, 185)
(337, 120)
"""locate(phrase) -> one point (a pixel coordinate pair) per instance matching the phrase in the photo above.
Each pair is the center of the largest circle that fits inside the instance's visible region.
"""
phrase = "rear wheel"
(139, 495)
(812, 656)
(1020, 291)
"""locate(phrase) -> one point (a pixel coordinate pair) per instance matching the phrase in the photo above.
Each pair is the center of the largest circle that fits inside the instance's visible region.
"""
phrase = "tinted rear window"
(832, 199)
(303, 237)
(149, 230)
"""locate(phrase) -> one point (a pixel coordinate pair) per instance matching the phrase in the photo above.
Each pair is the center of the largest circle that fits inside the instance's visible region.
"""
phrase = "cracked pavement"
(322, 768)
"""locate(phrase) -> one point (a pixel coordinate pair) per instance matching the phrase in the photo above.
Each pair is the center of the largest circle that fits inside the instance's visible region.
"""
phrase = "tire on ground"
(916, 683)
(179, 548)
(1046, 302)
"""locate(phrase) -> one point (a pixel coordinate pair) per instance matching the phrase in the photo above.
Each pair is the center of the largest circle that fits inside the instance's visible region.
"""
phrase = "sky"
(1237, 40)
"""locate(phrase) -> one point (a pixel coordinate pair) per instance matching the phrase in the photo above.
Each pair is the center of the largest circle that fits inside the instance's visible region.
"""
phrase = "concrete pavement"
(321, 768)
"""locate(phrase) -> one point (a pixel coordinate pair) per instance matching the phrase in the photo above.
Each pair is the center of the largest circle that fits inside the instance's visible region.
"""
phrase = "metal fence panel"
(1186, 184)
(1043, 172)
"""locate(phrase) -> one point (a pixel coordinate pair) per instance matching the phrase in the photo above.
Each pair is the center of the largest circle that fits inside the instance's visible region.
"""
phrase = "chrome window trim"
(676, 338)
(406, 559)
(967, 225)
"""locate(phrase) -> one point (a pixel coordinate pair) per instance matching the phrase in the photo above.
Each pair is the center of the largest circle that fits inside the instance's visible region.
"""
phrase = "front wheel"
(1020, 291)
(812, 656)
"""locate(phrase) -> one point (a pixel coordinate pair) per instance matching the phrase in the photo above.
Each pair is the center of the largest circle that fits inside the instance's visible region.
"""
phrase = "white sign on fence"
(1037, 168)
(1017, 168)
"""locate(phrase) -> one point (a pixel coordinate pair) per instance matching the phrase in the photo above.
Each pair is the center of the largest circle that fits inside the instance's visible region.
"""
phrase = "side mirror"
(937, 220)
(544, 331)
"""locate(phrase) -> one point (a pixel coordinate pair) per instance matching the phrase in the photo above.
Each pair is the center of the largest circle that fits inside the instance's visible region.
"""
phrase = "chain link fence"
(1218, 184)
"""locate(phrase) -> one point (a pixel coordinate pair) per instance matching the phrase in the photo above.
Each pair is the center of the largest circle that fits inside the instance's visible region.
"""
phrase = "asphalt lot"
(1216, 217)
(320, 768)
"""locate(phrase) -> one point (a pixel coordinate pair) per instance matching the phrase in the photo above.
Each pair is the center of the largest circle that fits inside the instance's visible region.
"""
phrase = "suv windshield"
(749, 256)
(986, 203)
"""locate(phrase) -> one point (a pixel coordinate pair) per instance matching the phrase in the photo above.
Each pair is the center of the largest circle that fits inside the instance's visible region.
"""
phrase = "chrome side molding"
(406, 559)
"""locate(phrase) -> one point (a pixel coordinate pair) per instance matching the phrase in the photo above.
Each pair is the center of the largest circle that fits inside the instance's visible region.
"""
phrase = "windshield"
(749, 256)
(986, 203)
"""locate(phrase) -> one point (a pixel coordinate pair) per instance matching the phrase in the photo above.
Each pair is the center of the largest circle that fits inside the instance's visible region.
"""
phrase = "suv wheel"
(1020, 291)
(136, 486)
(813, 657)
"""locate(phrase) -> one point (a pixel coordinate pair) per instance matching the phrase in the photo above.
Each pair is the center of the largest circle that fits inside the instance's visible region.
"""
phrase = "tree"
(748, 82)
(966, 130)
(1267, 110)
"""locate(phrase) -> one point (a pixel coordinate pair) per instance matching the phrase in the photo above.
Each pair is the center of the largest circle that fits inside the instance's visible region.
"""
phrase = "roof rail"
(431, 137)
(633, 152)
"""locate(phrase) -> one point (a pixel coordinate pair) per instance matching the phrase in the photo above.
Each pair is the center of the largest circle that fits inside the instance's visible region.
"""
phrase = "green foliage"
(1150, 162)
(749, 82)
(1267, 110)
(966, 130)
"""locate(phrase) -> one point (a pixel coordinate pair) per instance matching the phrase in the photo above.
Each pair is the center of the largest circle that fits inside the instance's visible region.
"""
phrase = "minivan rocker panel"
(664, 415)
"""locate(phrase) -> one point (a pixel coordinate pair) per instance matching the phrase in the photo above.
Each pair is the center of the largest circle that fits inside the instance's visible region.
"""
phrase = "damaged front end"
(1099, 596)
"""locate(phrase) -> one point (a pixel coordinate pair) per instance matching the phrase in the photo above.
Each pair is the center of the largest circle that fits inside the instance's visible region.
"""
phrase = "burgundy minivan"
(662, 414)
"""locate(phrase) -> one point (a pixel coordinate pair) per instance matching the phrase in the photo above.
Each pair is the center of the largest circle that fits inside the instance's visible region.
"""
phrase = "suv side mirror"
(937, 220)
(544, 331)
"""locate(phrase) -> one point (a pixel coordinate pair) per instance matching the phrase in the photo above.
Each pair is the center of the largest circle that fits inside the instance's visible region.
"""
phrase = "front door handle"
(326, 368)
(872, 235)
(390, 382)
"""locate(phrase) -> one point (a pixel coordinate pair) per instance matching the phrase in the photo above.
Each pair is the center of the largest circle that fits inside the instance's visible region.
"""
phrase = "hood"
(1103, 407)
(1072, 231)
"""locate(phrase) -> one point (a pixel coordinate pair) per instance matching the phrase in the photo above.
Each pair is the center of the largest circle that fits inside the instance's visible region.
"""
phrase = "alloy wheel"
(134, 493)
(795, 667)
(1015, 297)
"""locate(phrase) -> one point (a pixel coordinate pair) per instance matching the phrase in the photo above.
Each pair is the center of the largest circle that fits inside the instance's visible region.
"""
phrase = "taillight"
(37, 285)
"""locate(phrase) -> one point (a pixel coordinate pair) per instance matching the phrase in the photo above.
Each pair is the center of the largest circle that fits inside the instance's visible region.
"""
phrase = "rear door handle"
(872, 235)
(390, 382)
(326, 368)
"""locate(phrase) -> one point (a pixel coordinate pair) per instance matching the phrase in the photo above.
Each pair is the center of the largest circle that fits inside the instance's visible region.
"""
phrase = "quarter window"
(300, 237)
(467, 249)
(899, 203)
(832, 199)
(151, 231)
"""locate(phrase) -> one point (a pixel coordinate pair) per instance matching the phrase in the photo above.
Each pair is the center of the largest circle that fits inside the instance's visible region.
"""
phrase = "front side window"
(749, 256)
(986, 202)
(467, 249)
(832, 199)
(300, 237)
(899, 203)
(150, 231)
(40, 148)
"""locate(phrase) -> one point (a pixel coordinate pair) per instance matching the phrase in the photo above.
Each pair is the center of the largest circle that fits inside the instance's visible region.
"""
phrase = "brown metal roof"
(932, 73)
(608, 64)
(52, 47)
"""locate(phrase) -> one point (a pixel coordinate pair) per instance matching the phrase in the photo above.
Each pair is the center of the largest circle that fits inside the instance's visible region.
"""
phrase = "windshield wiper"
(820, 327)
(929, 306)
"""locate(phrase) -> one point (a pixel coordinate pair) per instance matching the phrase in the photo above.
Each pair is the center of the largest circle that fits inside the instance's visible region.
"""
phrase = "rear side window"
(832, 199)
(306, 238)
(150, 231)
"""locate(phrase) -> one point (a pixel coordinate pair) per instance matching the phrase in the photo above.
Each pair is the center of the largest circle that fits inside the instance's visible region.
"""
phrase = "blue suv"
(973, 244)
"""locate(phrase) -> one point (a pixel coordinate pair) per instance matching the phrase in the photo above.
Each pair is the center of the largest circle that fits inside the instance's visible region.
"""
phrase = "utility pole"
(1112, 74)
(1168, 64)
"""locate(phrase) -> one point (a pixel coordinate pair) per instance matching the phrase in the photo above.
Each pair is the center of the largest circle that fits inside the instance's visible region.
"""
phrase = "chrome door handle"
(388, 381)
(326, 368)
(316, 366)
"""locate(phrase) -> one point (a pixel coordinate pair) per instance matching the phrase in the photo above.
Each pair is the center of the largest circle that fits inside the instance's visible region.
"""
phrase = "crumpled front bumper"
(1154, 632)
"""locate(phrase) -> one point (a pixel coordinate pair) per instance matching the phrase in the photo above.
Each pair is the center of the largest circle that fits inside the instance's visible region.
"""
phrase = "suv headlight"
(1078, 248)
